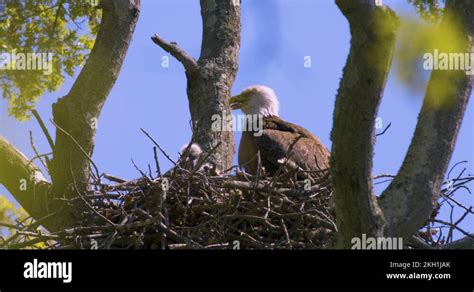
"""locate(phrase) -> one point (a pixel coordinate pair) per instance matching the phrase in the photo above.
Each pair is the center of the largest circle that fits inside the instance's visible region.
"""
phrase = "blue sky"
(276, 37)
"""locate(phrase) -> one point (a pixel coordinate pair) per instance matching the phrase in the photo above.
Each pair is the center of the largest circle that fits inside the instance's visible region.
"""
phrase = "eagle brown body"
(277, 139)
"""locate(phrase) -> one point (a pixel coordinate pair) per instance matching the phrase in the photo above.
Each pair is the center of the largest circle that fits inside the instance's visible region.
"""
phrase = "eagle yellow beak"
(236, 102)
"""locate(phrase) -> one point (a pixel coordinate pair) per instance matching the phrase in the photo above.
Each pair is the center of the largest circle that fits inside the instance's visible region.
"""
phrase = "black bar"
(257, 269)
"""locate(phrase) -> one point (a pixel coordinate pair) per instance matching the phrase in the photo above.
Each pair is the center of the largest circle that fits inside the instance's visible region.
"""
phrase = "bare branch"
(159, 147)
(188, 62)
(43, 128)
(452, 225)
(384, 130)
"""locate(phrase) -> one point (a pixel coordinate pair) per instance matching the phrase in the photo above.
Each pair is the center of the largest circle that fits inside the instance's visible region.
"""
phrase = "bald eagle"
(279, 137)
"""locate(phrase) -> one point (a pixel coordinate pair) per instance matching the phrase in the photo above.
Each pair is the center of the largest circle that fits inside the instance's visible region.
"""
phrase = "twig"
(454, 166)
(452, 225)
(157, 163)
(385, 130)
(36, 152)
(159, 147)
(43, 128)
(78, 146)
(113, 178)
(87, 203)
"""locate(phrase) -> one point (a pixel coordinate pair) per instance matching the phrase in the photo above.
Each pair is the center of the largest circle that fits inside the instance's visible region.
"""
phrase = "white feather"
(194, 151)
(262, 101)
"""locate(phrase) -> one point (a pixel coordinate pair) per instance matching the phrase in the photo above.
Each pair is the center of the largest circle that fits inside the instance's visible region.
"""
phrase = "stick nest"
(194, 207)
(199, 209)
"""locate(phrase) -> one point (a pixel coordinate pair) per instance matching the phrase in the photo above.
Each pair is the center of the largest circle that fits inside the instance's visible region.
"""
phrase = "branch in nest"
(249, 186)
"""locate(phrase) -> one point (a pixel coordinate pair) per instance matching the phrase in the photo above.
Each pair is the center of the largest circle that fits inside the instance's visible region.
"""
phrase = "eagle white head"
(257, 99)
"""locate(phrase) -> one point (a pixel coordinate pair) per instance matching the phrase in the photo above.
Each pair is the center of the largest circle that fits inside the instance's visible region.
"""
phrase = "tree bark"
(25, 182)
(210, 79)
(373, 29)
(409, 200)
(77, 113)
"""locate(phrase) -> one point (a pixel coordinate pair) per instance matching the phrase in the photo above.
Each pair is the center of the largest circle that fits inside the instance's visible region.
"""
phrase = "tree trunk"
(409, 200)
(76, 114)
(373, 30)
(210, 79)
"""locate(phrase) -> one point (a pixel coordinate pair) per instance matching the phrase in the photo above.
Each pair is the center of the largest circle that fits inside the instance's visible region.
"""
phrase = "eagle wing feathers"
(275, 143)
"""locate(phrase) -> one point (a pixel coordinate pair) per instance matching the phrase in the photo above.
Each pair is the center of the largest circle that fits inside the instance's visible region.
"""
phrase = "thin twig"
(43, 128)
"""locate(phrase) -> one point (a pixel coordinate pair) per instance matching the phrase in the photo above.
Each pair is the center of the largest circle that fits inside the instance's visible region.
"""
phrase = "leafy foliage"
(9, 214)
(430, 10)
(12, 217)
(44, 26)
(418, 41)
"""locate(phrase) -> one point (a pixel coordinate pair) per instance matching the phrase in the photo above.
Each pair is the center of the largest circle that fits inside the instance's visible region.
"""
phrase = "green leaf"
(35, 29)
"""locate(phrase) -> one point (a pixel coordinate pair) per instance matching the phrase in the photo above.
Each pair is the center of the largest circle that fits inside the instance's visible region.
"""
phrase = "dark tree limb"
(373, 29)
(409, 200)
(210, 79)
(77, 113)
